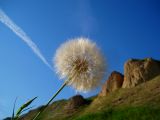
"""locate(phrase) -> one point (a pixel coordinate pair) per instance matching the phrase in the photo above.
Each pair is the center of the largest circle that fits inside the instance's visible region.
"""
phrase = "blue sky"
(122, 29)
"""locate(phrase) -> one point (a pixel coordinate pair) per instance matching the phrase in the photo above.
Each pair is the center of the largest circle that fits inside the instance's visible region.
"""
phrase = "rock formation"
(75, 102)
(138, 71)
(113, 83)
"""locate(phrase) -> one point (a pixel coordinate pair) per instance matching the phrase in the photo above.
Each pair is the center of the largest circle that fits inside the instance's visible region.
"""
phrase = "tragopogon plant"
(80, 62)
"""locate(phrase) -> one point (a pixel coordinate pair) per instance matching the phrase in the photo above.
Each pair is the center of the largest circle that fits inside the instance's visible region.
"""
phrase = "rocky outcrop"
(139, 71)
(76, 102)
(113, 83)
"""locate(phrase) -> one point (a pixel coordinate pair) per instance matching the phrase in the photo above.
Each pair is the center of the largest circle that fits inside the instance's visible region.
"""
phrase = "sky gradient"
(122, 29)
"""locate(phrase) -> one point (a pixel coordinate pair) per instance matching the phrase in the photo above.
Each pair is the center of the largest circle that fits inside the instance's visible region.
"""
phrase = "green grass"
(139, 103)
(127, 113)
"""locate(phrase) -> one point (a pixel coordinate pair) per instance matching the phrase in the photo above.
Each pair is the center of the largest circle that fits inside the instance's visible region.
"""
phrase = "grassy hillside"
(138, 103)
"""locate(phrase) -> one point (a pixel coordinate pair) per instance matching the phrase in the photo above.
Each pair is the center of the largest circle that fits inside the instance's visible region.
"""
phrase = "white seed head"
(81, 61)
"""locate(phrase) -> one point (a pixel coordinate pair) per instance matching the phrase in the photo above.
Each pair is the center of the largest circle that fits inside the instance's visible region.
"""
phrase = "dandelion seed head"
(81, 61)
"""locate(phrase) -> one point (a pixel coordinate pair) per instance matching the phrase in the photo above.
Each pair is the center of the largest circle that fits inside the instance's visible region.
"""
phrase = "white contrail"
(18, 31)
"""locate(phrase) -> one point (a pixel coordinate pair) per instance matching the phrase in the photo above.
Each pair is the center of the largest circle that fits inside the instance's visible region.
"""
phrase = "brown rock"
(139, 71)
(113, 83)
(75, 102)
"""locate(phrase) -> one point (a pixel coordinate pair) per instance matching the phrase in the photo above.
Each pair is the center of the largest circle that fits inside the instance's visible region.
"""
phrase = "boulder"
(138, 71)
(76, 102)
(113, 83)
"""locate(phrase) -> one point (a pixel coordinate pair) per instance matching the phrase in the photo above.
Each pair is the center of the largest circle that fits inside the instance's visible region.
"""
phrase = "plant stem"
(43, 108)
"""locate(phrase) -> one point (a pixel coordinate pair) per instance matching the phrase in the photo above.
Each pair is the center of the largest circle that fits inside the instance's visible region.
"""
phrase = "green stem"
(43, 108)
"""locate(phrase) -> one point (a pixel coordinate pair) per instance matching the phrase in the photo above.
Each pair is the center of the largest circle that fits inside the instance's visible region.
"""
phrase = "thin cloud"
(24, 37)
(85, 17)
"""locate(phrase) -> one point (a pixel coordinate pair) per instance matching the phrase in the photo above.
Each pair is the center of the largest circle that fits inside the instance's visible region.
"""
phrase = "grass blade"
(23, 107)
(14, 108)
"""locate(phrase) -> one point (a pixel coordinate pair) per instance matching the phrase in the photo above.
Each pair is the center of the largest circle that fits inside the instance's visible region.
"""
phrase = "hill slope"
(141, 102)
